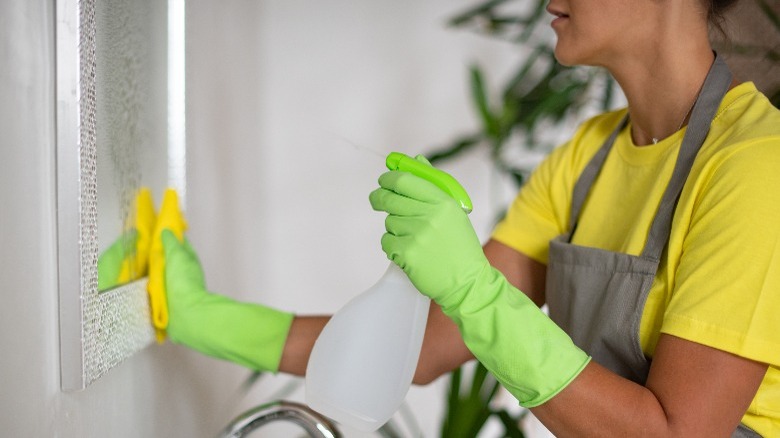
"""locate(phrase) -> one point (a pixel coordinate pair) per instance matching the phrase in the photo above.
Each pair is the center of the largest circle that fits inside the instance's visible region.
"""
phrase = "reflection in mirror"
(131, 122)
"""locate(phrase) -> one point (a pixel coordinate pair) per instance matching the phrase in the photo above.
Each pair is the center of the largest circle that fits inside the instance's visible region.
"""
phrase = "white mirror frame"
(97, 330)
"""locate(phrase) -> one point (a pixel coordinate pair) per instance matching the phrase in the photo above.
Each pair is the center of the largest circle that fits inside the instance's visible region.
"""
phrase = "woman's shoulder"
(745, 133)
(746, 115)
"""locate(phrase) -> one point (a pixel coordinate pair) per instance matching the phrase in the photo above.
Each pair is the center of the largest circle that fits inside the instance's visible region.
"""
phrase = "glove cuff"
(247, 334)
(523, 348)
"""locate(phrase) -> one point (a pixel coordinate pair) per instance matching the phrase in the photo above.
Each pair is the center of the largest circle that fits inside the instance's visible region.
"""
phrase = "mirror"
(120, 84)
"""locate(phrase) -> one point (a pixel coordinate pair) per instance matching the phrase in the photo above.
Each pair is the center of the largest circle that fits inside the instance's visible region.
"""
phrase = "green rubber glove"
(430, 237)
(111, 261)
(247, 334)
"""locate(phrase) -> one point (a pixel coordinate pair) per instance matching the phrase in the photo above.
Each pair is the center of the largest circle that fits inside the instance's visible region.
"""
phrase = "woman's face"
(601, 32)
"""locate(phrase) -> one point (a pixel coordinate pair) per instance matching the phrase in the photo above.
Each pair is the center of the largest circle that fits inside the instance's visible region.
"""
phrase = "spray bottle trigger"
(443, 180)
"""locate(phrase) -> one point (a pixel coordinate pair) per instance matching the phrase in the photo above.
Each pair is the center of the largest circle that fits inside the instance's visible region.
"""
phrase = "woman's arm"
(523, 272)
(692, 390)
(304, 330)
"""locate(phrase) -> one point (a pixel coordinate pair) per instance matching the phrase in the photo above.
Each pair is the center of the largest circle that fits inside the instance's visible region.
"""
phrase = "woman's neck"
(662, 87)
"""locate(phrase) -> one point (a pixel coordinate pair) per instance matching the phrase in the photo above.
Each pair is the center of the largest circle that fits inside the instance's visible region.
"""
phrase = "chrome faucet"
(313, 423)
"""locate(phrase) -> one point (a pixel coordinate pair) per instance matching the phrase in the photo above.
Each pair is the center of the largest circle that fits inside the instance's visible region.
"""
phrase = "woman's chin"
(570, 56)
(564, 58)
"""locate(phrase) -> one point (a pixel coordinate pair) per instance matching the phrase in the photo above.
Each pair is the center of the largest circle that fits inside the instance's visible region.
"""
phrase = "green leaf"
(518, 177)
(532, 20)
(478, 380)
(468, 412)
(520, 79)
(485, 8)
(609, 88)
(460, 146)
(511, 425)
(479, 95)
(454, 395)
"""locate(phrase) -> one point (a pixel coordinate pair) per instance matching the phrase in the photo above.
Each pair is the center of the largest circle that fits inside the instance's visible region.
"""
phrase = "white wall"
(277, 90)
(277, 200)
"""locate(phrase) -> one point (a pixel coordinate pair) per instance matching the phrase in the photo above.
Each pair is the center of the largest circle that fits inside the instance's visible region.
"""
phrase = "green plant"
(469, 410)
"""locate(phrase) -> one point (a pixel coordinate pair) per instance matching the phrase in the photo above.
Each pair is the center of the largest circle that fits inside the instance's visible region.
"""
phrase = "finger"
(395, 204)
(412, 186)
(183, 275)
(392, 247)
(402, 226)
(180, 259)
(170, 242)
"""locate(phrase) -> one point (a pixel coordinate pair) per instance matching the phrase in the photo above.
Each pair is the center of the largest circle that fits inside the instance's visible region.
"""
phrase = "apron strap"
(715, 87)
(589, 175)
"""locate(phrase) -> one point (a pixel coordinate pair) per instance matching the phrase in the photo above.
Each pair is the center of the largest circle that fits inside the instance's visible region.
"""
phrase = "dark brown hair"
(716, 10)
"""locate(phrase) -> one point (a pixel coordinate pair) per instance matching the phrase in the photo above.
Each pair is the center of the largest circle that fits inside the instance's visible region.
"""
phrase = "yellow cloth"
(136, 266)
(170, 218)
(720, 284)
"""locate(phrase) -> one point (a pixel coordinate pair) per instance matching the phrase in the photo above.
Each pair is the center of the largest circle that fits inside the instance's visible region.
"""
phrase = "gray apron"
(598, 296)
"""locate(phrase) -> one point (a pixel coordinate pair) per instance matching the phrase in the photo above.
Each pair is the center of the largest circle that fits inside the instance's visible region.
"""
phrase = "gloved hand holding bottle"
(430, 237)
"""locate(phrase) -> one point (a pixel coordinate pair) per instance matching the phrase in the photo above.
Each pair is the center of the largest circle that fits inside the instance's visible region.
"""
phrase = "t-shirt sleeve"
(539, 212)
(727, 288)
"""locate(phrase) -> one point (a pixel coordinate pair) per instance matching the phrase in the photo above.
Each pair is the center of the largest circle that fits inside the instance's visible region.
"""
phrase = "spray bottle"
(362, 364)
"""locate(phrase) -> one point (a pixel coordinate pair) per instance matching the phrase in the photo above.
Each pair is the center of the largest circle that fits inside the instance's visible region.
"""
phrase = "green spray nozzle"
(443, 180)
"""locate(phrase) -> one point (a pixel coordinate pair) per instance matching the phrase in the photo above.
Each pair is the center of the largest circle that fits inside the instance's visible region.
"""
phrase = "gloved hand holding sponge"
(430, 237)
(180, 305)
(248, 334)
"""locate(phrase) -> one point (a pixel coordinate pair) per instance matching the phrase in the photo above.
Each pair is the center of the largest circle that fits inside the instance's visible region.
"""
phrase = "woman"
(651, 235)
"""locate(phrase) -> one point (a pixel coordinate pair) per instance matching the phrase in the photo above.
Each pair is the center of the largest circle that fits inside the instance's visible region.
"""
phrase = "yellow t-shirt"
(719, 284)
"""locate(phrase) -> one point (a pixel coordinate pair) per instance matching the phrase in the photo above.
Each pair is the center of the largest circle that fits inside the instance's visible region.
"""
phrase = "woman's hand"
(248, 334)
(429, 236)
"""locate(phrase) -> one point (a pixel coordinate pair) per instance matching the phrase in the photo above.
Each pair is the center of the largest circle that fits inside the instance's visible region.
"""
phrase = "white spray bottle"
(362, 364)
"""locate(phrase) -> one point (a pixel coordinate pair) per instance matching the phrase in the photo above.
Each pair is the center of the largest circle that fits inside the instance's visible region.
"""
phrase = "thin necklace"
(682, 122)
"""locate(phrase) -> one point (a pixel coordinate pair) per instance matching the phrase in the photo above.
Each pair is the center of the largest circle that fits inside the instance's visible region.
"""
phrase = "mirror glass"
(131, 131)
